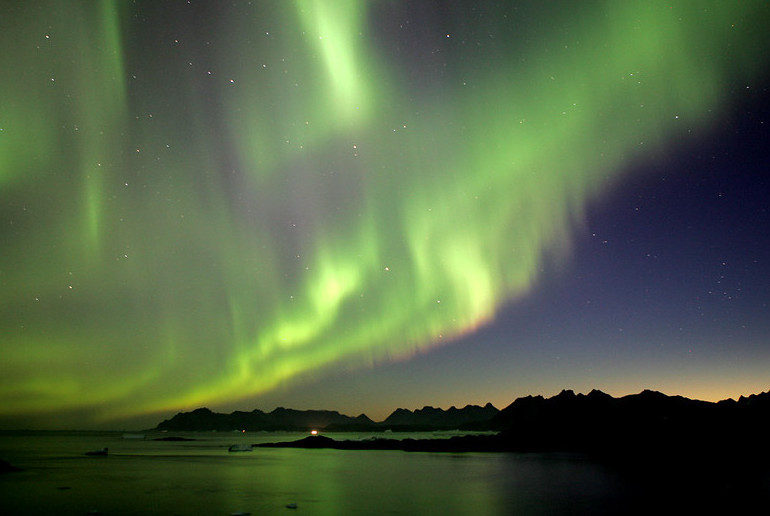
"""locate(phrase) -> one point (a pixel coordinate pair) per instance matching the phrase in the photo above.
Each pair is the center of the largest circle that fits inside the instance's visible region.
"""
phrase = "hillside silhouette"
(425, 419)
(649, 421)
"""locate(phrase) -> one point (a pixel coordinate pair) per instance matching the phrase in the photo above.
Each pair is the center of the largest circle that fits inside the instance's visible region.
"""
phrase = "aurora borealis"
(229, 204)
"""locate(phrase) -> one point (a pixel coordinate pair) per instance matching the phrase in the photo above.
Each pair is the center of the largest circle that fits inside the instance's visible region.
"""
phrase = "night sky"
(359, 206)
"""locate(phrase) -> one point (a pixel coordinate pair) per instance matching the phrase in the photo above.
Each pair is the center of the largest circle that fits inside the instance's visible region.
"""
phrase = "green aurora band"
(183, 229)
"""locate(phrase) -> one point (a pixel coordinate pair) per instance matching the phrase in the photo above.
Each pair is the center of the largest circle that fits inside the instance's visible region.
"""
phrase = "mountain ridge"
(532, 417)
(428, 418)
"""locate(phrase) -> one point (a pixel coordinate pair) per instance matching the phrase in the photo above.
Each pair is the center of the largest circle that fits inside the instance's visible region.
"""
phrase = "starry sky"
(363, 205)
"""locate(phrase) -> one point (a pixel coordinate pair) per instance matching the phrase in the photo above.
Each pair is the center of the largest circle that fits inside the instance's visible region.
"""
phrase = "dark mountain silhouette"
(644, 422)
(427, 418)
(203, 419)
(648, 422)
(436, 419)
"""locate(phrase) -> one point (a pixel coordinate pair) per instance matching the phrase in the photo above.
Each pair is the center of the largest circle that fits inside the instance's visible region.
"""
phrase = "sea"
(144, 476)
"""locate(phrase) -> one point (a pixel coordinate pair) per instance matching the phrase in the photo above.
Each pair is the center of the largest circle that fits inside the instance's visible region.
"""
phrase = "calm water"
(202, 477)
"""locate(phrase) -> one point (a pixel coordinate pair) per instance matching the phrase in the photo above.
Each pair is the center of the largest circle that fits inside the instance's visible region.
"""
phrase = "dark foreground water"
(202, 477)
